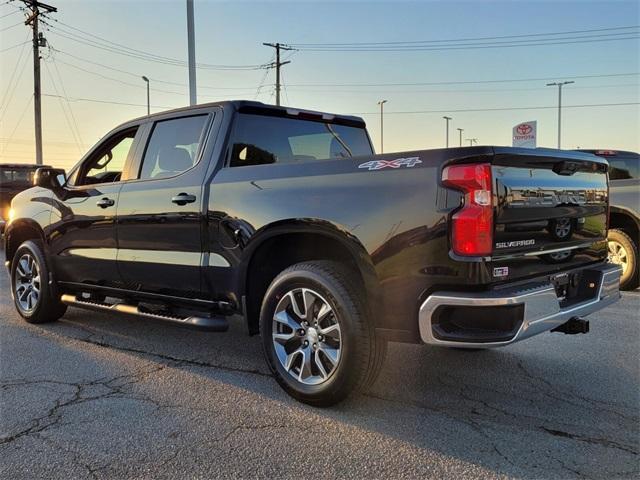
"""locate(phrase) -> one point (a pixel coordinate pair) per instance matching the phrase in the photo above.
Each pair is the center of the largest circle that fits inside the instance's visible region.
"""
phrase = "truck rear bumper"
(502, 317)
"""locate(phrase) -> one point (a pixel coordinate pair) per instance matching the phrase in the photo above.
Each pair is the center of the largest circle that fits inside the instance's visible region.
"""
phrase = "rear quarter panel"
(397, 216)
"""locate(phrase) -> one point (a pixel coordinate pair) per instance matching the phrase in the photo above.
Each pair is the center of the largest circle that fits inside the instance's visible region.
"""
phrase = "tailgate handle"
(565, 168)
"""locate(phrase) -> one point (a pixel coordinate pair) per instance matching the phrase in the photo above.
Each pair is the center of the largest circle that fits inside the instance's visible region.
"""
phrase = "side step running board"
(211, 324)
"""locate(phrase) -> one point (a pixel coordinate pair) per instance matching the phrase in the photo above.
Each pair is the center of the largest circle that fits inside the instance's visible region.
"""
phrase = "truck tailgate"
(551, 210)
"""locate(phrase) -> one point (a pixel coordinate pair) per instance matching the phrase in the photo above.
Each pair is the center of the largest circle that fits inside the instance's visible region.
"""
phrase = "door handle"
(183, 199)
(105, 202)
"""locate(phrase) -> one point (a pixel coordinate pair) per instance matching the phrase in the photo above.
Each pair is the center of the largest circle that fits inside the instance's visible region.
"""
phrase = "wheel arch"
(296, 241)
(625, 220)
(18, 232)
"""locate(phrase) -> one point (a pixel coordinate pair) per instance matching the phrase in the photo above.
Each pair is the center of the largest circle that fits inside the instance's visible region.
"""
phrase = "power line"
(261, 85)
(73, 123)
(137, 75)
(478, 43)
(472, 47)
(11, 26)
(90, 72)
(135, 85)
(13, 132)
(142, 52)
(302, 86)
(97, 100)
(13, 46)
(569, 32)
(498, 109)
(477, 47)
(10, 92)
(461, 82)
(9, 14)
(391, 113)
(482, 90)
(90, 40)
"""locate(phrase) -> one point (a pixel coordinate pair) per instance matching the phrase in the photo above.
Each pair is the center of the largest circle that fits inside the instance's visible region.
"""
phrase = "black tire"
(624, 245)
(47, 308)
(361, 352)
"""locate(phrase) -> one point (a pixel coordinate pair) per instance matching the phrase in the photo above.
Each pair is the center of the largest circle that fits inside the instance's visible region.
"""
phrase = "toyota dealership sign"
(524, 134)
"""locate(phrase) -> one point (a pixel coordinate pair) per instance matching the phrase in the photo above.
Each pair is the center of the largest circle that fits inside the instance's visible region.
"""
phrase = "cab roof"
(249, 106)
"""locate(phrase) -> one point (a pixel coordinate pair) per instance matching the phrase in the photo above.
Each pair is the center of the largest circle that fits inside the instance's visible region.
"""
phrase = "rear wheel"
(32, 293)
(624, 252)
(317, 334)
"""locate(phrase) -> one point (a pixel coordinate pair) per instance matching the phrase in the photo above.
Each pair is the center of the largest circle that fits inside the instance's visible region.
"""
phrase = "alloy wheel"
(306, 336)
(618, 255)
(27, 283)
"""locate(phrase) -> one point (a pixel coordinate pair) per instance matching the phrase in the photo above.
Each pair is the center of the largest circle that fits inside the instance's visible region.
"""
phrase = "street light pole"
(447, 120)
(148, 98)
(472, 141)
(559, 85)
(191, 40)
(460, 130)
(381, 103)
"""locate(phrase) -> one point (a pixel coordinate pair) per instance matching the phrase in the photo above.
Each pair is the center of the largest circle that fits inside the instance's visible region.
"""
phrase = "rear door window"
(260, 140)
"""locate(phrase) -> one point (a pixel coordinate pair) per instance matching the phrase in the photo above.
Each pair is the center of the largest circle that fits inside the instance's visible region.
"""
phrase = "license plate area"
(576, 287)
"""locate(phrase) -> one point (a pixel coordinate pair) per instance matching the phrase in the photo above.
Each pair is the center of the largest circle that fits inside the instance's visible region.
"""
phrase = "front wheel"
(32, 293)
(317, 334)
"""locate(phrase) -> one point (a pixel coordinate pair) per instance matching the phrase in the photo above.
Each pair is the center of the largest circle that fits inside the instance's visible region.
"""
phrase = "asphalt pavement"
(98, 395)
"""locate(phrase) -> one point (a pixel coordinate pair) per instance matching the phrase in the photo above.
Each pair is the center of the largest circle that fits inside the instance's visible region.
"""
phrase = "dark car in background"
(14, 178)
(624, 225)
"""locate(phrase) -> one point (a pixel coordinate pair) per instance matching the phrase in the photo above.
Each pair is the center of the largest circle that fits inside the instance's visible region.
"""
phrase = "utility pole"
(471, 141)
(447, 119)
(381, 103)
(148, 96)
(277, 65)
(191, 41)
(34, 7)
(460, 130)
(559, 85)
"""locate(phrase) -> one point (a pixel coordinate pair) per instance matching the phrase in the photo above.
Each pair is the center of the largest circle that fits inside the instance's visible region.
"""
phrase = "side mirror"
(51, 178)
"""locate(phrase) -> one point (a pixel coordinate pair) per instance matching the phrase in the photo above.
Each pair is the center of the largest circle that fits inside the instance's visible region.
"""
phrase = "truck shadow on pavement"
(530, 410)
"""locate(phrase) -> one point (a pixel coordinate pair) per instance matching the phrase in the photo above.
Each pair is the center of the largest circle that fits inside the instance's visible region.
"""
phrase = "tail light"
(472, 225)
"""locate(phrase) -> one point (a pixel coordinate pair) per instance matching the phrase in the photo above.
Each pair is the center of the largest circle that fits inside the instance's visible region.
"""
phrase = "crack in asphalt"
(176, 361)
(80, 395)
(596, 441)
(244, 426)
(608, 443)
(75, 457)
(459, 415)
(552, 389)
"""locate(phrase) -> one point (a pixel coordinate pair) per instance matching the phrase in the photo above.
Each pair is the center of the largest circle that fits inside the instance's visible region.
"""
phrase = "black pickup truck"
(328, 251)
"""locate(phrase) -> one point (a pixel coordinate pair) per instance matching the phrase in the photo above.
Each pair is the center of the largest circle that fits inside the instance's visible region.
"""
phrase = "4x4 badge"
(397, 163)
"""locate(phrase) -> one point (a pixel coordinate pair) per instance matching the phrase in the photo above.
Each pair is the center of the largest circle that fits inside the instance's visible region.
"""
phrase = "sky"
(89, 89)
